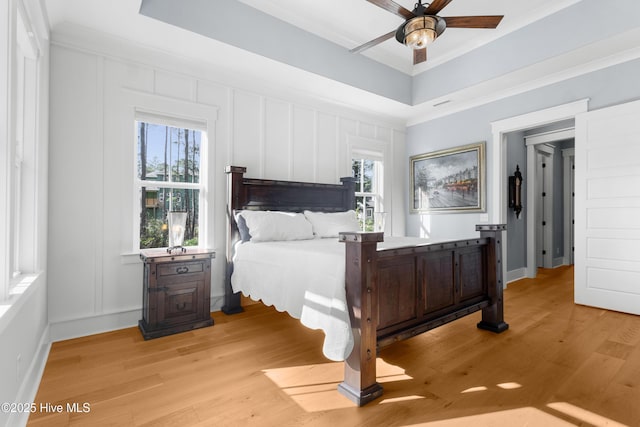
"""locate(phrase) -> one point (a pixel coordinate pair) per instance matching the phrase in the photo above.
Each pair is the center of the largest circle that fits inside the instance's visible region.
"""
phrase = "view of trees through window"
(168, 170)
(364, 171)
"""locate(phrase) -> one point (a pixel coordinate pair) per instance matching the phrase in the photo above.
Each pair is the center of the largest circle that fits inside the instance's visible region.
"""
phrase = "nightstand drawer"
(181, 303)
(169, 269)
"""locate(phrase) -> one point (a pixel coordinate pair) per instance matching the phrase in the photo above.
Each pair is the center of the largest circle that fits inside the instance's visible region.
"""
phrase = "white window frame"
(364, 149)
(19, 208)
(375, 186)
(201, 186)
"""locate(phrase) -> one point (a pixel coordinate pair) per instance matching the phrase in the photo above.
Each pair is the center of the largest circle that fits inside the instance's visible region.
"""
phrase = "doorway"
(543, 226)
(500, 129)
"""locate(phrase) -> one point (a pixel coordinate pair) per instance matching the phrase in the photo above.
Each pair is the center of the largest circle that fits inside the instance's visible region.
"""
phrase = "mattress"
(305, 278)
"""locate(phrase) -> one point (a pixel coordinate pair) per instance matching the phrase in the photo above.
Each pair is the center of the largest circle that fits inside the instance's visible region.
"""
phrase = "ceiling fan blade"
(394, 7)
(373, 42)
(419, 55)
(490, 21)
(436, 6)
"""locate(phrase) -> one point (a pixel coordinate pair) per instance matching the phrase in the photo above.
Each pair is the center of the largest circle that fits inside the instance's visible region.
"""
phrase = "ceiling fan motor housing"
(419, 31)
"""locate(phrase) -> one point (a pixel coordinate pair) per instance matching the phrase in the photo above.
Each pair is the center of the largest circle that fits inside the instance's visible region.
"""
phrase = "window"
(368, 174)
(170, 177)
(19, 216)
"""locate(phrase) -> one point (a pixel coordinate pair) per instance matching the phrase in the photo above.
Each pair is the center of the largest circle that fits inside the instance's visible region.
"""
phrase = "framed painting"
(449, 181)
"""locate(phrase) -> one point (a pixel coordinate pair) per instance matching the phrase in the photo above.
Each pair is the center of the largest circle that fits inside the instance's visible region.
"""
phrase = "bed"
(368, 291)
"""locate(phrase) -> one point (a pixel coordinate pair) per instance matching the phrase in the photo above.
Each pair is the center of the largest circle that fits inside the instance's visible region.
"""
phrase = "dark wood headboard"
(267, 194)
(290, 196)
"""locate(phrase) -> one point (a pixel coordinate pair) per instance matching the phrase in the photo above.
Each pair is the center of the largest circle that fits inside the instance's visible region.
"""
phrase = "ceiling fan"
(422, 25)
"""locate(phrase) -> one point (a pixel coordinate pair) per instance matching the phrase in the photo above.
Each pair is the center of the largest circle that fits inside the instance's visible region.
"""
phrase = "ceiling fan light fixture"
(420, 31)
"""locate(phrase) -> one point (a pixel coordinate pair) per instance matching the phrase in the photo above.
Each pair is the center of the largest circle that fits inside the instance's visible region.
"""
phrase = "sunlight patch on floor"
(307, 375)
(475, 389)
(315, 387)
(504, 386)
(584, 415)
(393, 378)
(509, 386)
(514, 418)
(400, 399)
(386, 372)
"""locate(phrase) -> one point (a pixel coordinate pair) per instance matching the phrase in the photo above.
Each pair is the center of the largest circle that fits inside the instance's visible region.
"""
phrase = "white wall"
(24, 347)
(95, 274)
(607, 86)
(24, 337)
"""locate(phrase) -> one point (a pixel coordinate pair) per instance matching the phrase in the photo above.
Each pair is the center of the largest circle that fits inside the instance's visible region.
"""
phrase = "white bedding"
(306, 279)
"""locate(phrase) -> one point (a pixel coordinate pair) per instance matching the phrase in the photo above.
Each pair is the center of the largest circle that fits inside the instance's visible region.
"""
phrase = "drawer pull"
(182, 270)
(179, 308)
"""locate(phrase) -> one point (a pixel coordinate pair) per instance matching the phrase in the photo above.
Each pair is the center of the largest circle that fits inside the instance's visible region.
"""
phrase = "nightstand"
(176, 291)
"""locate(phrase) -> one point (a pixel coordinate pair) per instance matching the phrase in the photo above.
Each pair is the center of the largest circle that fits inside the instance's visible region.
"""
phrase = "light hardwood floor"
(559, 364)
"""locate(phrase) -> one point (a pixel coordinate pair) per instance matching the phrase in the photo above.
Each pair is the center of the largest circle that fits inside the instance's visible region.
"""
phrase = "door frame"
(536, 178)
(499, 130)
(568, 155)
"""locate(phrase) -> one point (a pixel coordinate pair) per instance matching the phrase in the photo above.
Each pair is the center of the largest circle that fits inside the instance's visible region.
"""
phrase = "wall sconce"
(515, 192)
(177, 225)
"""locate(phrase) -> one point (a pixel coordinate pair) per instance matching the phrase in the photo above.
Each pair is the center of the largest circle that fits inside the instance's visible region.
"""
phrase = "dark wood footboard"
(396, 294)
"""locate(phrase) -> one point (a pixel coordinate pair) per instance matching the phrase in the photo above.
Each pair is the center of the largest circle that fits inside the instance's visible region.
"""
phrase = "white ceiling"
(351, 23)
(348, 23)
(329, 19)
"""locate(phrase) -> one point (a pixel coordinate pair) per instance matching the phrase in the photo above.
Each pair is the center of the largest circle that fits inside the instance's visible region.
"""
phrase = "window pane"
(365, 207)
(356, 167)
(364, 173)
(368, 184)
(167, 153)
(188, 200)
(368, 176)
(153, 220)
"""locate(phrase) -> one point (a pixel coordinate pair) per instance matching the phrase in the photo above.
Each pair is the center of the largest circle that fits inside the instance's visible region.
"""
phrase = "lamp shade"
(379, 220)
(420, 31)
(177, 225)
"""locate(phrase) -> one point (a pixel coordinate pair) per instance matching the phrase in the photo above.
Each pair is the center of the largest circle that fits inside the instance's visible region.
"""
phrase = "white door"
(607, 203)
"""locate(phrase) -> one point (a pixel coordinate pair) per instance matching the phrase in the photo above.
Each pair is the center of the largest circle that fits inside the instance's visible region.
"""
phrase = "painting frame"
(449, 181)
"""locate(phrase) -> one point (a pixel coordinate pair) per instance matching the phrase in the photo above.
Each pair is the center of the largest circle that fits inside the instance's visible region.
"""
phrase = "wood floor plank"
(558, 364)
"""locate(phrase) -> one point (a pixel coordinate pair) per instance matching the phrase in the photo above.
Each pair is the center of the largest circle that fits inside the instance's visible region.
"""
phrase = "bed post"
(234, 187)
(493, 315)
(359, 383)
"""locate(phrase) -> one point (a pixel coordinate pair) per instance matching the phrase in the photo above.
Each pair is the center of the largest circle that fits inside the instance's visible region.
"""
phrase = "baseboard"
(217, 301)
(33, 376)
(90, 325)
(557, 262)
(517, 274)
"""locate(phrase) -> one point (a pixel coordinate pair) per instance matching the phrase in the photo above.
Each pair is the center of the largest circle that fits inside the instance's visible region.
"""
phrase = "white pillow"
(331, 224)
(267, 226)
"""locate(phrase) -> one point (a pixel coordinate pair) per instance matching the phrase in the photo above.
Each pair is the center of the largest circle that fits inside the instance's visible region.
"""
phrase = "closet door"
(607, 202)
